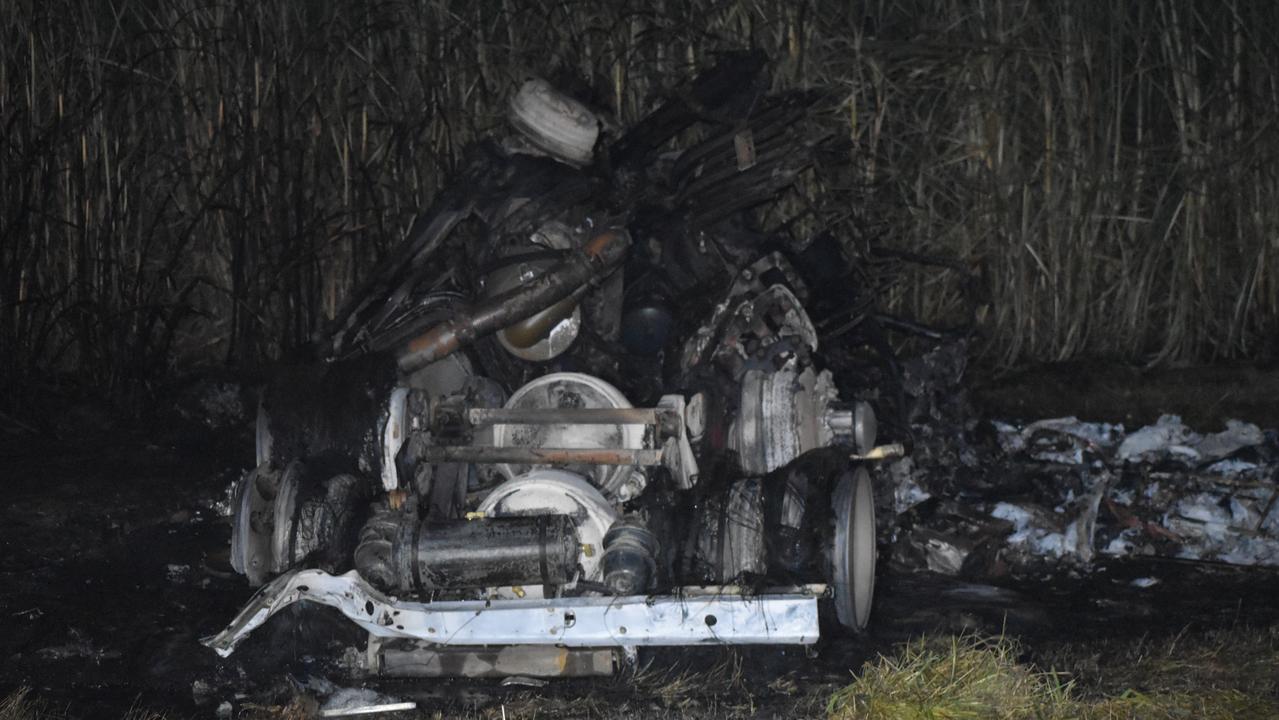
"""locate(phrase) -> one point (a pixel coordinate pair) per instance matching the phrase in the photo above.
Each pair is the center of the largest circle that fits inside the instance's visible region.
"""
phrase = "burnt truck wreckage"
(582, 408)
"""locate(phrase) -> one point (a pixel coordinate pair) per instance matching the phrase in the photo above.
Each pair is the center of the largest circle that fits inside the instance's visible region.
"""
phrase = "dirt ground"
(114, 564)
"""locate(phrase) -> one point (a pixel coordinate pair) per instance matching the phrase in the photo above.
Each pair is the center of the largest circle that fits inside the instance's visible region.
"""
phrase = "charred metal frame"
(753, 362)
(578, 622)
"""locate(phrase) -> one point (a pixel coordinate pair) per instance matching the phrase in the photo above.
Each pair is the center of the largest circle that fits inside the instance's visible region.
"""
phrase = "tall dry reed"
(189, 182)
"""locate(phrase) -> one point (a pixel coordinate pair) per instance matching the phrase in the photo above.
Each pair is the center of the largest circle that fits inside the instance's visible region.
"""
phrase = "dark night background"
(190, 190)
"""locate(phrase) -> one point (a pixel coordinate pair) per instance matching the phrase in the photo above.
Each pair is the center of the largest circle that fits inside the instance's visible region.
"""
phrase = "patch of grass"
(1210, 705)
(968, 678)
(955, 679)
(680, 687)
(21, 704)
(1243, 659)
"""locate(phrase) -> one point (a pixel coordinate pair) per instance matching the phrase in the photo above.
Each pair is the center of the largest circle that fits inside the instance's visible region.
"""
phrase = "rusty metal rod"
(566, 416)
(596, 258)
(892, 451)
(542, 456)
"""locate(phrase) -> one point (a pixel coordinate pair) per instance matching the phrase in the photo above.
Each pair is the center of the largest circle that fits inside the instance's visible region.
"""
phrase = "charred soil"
(115, 565)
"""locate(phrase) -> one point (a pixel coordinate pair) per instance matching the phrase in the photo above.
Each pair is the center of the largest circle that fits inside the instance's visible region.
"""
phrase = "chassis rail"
(775, 619)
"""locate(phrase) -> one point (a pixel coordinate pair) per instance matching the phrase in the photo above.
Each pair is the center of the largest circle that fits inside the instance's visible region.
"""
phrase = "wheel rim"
(853, 556)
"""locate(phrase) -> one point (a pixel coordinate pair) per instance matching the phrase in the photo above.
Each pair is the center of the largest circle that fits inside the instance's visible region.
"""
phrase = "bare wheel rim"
(853, 556)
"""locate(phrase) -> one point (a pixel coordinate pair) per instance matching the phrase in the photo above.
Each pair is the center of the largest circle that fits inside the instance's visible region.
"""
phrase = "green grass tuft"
(958, 678)
(968, 678)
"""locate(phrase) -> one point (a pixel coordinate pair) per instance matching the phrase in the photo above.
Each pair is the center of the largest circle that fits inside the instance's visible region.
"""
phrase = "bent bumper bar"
(782, 619)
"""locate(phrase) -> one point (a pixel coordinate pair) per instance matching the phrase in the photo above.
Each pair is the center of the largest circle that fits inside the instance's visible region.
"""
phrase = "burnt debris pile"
(610, 372)
(606, 372)
(989, 498)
